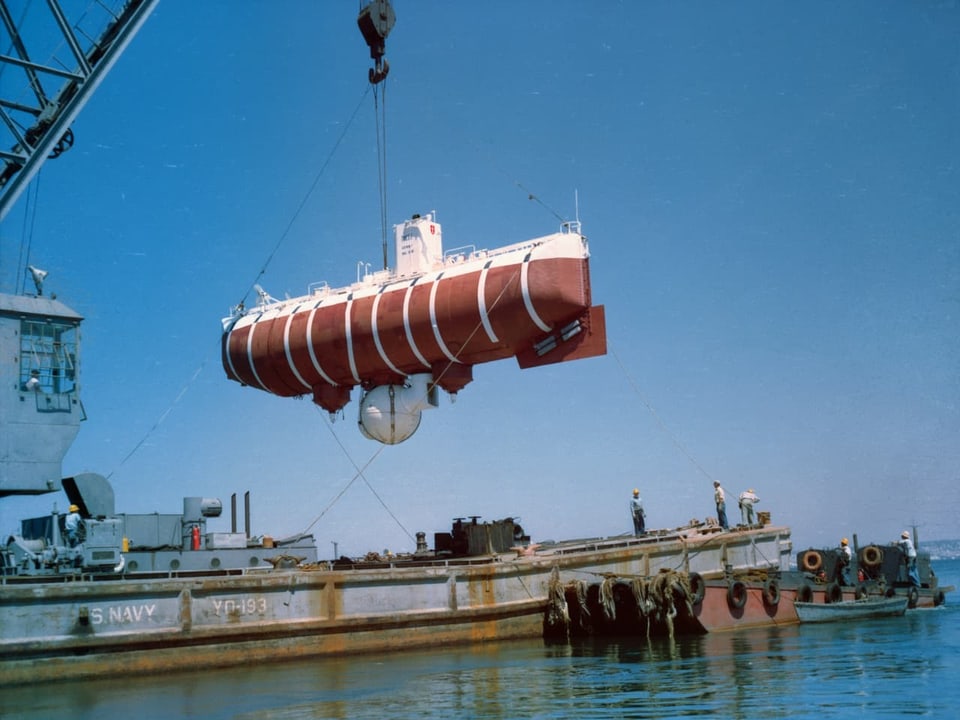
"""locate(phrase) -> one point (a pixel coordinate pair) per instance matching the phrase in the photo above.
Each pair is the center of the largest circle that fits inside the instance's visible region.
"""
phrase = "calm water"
(898, 667)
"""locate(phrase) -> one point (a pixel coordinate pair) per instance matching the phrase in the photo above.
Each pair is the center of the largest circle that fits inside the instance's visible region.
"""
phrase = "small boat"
(850, 609)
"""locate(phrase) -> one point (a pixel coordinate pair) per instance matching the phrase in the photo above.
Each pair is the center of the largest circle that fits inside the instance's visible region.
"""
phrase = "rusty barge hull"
(83, 628)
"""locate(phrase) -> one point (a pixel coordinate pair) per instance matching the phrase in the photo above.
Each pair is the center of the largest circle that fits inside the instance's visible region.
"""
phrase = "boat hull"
(716, 613)
(88, 627)
(850, 610)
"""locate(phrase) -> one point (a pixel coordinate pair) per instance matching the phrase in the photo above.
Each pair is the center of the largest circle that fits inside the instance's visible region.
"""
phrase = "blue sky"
(772, 198)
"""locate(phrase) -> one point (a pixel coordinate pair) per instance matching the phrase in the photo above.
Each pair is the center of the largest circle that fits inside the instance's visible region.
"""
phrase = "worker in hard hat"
(748, 499)
(844, 556)
(910, 558)
(636, 512)
(72, 526)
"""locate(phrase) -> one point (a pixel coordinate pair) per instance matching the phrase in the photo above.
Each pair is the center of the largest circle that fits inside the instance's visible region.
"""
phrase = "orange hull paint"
(429, 324)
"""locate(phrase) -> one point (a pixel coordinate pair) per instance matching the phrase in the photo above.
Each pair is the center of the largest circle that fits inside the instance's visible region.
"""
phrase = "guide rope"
(663, 426)
(303, 201)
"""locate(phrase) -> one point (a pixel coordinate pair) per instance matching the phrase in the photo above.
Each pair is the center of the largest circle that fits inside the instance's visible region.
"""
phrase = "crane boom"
(39, 127)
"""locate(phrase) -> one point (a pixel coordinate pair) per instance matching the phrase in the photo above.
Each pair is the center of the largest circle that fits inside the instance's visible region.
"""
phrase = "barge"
(81, 622)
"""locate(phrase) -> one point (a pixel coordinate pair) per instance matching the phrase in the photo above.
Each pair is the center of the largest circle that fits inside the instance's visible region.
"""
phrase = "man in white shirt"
(747, 499)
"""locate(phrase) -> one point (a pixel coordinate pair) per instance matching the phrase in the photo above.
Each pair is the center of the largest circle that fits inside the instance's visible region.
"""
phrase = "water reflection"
(904, 667)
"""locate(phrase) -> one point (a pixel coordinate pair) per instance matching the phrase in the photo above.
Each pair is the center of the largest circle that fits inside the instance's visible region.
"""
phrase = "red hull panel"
(460, 317)
(715, 612)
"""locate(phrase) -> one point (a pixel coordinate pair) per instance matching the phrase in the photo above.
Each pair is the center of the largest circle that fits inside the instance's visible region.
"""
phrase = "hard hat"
(74, 508)
(843, 542)
(904, 534)
(636, 492)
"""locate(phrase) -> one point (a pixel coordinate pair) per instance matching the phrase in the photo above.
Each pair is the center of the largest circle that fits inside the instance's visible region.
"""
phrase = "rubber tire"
(811, 561)
(737, 595)
(913, 597)
(697, 587)
(871, 556)
(771, 593)
(804, 593)
(832, 593)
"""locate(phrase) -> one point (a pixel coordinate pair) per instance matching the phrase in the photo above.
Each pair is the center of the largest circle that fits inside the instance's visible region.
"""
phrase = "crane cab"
(40, 410)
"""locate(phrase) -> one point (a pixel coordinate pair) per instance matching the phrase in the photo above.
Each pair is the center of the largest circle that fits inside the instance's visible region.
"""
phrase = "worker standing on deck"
(636, 512)
(844, 556)
(720, 498)
(910, 558)
(72, 526)
(747, 500)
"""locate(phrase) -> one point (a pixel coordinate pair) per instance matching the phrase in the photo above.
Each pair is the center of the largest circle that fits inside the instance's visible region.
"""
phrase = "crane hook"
(375, 21)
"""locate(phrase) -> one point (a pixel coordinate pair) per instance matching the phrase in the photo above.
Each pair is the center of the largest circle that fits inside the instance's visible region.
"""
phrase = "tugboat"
(875, 570)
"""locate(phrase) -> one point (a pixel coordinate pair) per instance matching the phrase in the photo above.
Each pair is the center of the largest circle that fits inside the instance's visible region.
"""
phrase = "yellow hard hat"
(843, 542)
(636, 491)
(74, 508)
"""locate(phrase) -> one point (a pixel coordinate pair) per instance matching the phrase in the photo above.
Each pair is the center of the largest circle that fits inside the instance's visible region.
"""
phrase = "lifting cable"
(380, 111)
(375, 21)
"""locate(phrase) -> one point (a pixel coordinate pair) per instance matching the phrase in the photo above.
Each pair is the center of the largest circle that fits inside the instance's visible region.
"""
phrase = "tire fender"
(811, 561)
(871, 556)
(697, 587)
(771, 593)
(737, 595)
(913, 597)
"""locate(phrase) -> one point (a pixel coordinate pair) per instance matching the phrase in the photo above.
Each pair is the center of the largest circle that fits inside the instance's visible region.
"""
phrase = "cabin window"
(48, 361)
